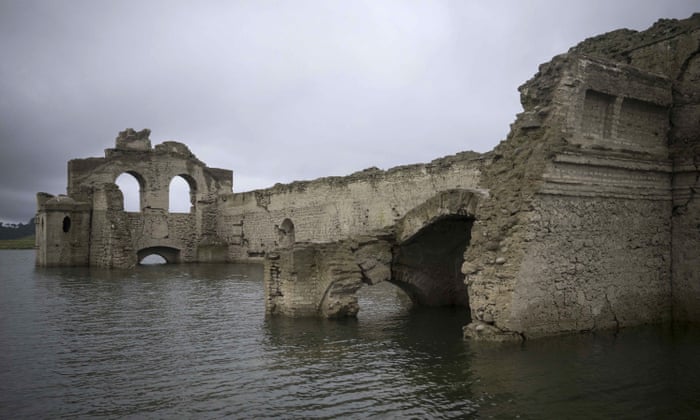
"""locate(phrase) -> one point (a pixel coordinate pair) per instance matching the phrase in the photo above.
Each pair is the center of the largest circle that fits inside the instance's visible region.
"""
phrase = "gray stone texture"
(112, 237)
(584, 218)
(584, 189)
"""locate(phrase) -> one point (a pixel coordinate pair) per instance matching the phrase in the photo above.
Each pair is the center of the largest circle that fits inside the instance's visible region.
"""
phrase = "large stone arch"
(454, 202)
(171, 255)
(430, 243)
(423, 257)
(428, 265)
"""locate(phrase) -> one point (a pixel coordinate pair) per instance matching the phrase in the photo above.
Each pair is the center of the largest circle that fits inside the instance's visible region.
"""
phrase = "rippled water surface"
(192, 341)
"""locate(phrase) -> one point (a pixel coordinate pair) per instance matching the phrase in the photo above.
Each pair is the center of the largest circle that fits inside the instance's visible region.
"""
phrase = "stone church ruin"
(586, 217)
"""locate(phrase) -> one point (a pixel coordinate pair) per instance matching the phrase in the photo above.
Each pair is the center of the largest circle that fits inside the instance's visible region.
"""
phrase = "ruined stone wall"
(115, 238)
(313, 280)
(589, 196)
(62, 231)
(601, 236)
(331, 209)
(686, 242)
(111, 244)
(579, 235)
(672, 48)
(593, 263)
(685, 137)
(587, 216)
(421, 254)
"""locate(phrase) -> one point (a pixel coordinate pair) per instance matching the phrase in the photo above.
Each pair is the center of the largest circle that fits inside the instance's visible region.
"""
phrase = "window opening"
(131, 190)
(66, 224)
(180, 195)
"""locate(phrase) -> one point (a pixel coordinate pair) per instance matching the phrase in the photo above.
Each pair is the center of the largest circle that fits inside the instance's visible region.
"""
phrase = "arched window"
(181, 194)
(131, 186)
(286, 233)
(66, 224)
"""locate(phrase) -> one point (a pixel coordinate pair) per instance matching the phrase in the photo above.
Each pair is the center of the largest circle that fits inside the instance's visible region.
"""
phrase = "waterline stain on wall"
(584, 218)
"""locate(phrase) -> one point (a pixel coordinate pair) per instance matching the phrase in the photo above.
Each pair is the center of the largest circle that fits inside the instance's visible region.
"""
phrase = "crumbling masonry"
(586, 217)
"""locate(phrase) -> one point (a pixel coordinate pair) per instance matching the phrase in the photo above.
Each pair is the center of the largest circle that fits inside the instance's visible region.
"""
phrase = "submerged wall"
(111, 237)
(584, 213)
(585, 217)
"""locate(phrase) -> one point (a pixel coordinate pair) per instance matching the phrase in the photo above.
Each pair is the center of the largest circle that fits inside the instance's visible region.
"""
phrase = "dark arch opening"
(66, 224)
(131, 184)
(286, 233)
(169, 254)
(428, 265)
(182, 194)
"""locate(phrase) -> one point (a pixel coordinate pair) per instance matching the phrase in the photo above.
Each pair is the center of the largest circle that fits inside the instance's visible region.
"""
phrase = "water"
(193, 342)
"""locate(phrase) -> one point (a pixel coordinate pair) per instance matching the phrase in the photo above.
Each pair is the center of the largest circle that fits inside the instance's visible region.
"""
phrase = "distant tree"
(16, 231)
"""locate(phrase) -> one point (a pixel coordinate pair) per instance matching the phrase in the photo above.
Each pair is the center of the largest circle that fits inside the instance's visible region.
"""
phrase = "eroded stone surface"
(579, 233)
(585, 217)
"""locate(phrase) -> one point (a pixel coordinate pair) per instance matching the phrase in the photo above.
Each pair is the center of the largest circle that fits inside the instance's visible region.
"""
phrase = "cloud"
(275, 90)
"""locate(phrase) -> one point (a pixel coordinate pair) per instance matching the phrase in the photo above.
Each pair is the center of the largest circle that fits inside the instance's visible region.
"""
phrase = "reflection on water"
(193, 341)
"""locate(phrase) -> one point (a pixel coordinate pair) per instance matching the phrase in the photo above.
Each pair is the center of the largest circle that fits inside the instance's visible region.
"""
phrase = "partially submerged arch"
(454, 202)
(170, 254)
(430, 243)
(422, 254)
(428, 265)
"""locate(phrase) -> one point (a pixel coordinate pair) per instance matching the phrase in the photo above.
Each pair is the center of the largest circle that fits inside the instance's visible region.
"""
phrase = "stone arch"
(428, 265)
(430, 243)
(170, 254)
(132, 201)
(180, 201)
(423, 258)
(285, 232)
(455, 202)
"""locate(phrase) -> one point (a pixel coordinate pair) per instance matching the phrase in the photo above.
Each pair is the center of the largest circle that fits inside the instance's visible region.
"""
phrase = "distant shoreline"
(22, 243)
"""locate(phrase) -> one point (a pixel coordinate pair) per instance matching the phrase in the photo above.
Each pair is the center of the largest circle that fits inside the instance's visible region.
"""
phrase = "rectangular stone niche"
(597, 118)
(642, 123)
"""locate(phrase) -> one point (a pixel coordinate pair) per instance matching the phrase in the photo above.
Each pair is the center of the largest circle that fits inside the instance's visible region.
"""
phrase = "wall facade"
(585, 217)
(332, 209)
(112, 237)
(591, 235)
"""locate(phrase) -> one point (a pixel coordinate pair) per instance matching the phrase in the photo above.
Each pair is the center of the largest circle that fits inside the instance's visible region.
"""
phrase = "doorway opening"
(428, 265)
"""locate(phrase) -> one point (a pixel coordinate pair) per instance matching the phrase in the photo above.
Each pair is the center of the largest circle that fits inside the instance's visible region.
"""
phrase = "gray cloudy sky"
(275, 90)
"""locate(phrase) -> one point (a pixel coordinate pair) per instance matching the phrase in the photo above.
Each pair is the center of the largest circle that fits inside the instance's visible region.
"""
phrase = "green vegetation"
(16, 231)
(22, 243)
